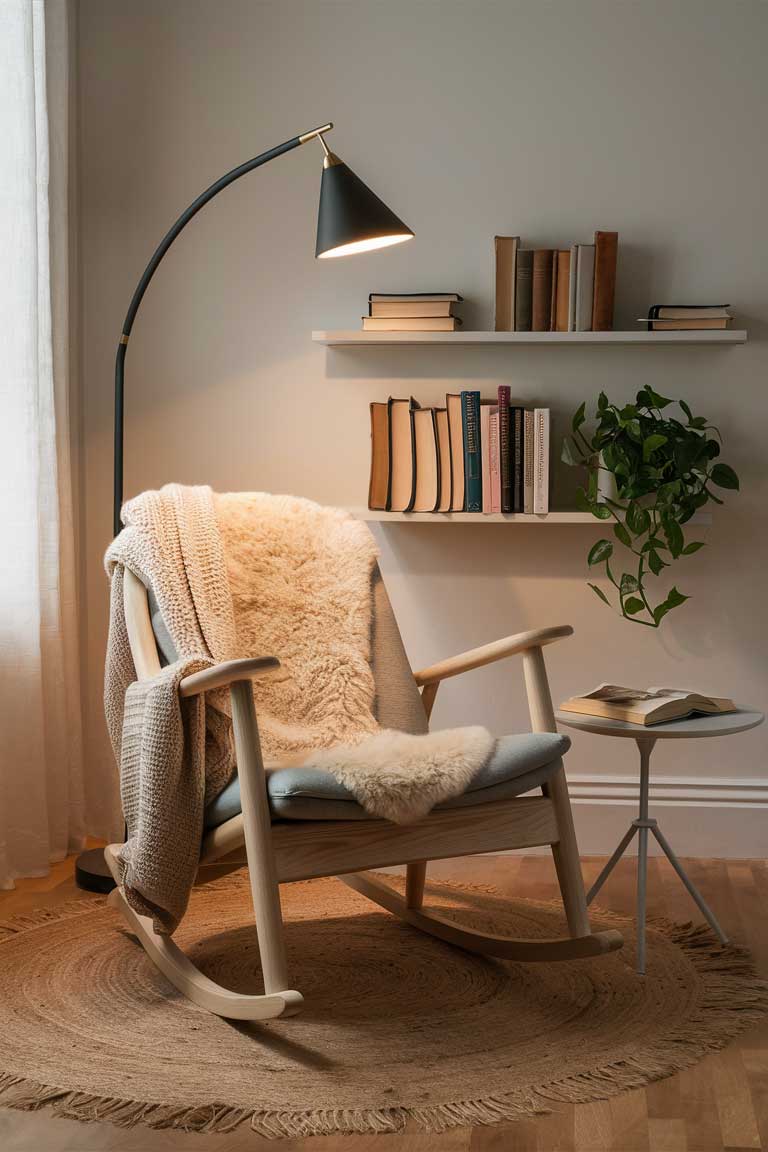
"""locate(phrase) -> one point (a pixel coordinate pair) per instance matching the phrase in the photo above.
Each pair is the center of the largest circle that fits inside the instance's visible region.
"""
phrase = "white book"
(528, 452)
(585, 280)
(540, 460)
(572, 288)
(485, 454)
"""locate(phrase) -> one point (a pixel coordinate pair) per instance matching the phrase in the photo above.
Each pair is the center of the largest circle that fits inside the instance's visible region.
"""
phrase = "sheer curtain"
(41, 791)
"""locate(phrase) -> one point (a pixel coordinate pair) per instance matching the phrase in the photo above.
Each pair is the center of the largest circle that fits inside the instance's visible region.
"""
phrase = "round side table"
(645, 738)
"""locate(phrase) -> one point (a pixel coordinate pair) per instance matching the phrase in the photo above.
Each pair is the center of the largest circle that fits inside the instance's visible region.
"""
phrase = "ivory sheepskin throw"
(251, 574)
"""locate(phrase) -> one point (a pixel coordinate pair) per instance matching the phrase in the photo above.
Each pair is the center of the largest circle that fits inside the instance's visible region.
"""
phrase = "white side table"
(645, 738)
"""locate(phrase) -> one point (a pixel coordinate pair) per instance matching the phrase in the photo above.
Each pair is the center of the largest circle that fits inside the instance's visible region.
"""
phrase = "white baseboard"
(718, 817)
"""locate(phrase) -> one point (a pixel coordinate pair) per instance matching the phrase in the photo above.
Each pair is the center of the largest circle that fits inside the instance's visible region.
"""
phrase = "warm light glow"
(369, 245)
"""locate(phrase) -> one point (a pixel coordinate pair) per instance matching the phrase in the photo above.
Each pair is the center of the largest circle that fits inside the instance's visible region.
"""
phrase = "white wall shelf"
(367, 514)
(354, 337)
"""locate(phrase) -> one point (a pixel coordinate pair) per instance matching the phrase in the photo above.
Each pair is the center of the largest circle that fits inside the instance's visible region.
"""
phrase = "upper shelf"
(354, 336)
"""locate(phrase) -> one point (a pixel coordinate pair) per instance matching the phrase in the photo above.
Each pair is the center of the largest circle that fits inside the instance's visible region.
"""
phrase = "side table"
(645, 738)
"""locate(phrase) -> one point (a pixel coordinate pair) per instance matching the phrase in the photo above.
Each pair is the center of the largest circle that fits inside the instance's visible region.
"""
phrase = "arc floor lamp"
(351, 218)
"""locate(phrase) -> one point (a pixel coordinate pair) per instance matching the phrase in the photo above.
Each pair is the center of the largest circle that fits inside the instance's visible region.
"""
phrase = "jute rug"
(396, 1026)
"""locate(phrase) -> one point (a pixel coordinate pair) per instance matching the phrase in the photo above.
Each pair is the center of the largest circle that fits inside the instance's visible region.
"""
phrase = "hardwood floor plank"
(738, 1123)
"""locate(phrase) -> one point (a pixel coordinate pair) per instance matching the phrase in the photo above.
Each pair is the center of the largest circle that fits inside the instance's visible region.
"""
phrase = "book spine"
(606, 252)
(524, 290)
(485, 454)
(542, 289)
(493, 452)
(505, 258)
(505, 449)
(562, 294)
(541, 461)
(470, 419)
(585, 270)
(517, 432)
(572, 288)
(528, 462)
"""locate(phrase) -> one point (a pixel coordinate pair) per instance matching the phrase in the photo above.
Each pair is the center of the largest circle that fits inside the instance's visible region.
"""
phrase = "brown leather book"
(562, 290)
(505, 255)
(606, 251)
(542, 289)
(444, 446)
(378, 488)
(427, 495)
(402, 488)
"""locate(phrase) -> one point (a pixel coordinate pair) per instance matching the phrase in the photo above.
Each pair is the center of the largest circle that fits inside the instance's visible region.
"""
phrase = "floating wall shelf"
(354, 337)
(367, 514)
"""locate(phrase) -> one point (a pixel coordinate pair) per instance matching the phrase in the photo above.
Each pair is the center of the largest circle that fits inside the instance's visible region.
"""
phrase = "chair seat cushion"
(518, 764)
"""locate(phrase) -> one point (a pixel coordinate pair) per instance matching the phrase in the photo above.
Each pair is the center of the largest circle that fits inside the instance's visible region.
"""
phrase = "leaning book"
(646, 706)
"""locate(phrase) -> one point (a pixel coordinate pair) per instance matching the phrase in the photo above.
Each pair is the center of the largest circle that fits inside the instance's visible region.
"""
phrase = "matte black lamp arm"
(149, 272)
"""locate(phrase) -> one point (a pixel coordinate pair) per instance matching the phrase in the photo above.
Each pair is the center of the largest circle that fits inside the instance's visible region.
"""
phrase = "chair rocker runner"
(289, 834)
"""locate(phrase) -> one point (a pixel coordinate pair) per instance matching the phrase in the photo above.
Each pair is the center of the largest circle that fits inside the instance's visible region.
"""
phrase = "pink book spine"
(485, 455)
(495, 463)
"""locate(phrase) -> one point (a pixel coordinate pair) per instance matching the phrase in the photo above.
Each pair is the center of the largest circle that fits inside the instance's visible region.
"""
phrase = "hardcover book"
(528, 439)
(485, 453)
(541, 461)
(646, 707)
(517, 434)
(456, 432)
(427, 453)
(378, 487)
(410, 323)
(542, 289)
(562, 293)
(584, 290)
(446, 470)
(402, 455)
(606, 251)
(494, 459)
(473, 484)
(505, 259)
(524, 290)
(505, 449)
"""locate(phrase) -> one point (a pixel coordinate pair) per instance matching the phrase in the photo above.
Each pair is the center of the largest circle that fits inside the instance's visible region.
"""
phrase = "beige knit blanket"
(250, 574)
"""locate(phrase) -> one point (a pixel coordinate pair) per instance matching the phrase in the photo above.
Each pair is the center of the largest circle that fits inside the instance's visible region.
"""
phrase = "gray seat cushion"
(518, 764)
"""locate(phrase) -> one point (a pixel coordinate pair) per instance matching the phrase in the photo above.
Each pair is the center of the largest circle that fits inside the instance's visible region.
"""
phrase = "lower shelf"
(493, 518)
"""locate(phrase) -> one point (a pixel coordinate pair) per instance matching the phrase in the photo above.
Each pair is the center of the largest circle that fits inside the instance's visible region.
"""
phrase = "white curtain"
(41, 790)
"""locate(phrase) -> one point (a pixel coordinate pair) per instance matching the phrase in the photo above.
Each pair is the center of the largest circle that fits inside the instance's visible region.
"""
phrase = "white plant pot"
(606, 485)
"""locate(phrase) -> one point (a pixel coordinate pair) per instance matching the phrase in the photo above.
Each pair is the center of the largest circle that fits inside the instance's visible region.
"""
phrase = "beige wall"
(544, 119)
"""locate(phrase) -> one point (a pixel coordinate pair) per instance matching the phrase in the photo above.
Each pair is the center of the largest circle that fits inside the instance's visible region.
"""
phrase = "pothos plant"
(664, 469)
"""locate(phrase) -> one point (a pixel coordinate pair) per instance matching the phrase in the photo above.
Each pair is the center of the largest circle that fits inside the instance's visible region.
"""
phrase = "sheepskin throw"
(248, 574)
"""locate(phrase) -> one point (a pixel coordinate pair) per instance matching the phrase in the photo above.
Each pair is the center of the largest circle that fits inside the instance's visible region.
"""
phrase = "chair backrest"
(398, 701)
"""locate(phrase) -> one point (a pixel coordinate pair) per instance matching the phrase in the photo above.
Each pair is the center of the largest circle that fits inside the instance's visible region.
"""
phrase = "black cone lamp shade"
(351, 218)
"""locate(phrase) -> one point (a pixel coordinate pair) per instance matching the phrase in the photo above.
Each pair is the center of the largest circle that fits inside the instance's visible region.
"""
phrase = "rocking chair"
(296, 824)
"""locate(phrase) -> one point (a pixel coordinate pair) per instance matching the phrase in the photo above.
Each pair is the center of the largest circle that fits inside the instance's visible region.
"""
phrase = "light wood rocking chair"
(299, 838)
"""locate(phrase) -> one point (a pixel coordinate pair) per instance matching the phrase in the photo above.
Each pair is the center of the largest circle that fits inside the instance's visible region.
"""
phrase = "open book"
(649, 706)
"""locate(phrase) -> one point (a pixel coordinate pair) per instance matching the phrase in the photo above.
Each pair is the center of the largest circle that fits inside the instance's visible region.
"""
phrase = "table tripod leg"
(692, 889)
(642, 871)
(609, 867)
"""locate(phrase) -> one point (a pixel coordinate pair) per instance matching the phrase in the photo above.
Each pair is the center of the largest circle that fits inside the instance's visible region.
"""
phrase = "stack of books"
(473, 455)
(687, 317)
(555, 290)
(412, 312)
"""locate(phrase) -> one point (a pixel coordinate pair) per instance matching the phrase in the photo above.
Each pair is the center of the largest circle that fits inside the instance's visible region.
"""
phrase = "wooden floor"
(722, 1103)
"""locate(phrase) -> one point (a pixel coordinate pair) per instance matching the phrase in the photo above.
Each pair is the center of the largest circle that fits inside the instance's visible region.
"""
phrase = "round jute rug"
(396, 1025)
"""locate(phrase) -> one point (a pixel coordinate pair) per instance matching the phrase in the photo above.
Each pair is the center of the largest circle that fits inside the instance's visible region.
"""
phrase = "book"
(505, 260)
(517, 435)
(485, 453)
(378, 487)
(524, 290)
(505, 449)
(646, 707)
(540, 460)
(606, 252)
(494, 462)
(402, 489)
(542, 289)
(703, 325)
(689, 312)
(585, 275)
(456, 433)
(410, 323)
(562, 291)
(473, 482)
(406, 297)
(427, 460)
(444, 451)
(421, 307)
(572, 288)
(528, 439)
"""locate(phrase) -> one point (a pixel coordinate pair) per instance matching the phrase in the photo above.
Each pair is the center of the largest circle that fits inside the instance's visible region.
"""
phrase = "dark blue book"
(473, 468)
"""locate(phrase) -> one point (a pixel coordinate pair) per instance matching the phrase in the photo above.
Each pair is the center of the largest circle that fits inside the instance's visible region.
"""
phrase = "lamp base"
(92, 873)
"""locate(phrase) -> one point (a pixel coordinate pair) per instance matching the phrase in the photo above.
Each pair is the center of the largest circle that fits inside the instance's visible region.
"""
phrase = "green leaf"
(602, 404)
(600, 551)
(628, 584)
(686, 409)
(601, 511)
(567, 455)
(629, 412)
(599, 592)
(621, 534)
(637, 519)
(579, 417)
(657, 401)
(674, 600)
(724, 477)
(655, 562)
(633, 606)
(651, 443)
(692, 547)
(698, 422)
(674, 535)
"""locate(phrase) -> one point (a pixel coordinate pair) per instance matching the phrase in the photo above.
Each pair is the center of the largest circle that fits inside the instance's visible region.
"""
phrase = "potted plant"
(664, 468)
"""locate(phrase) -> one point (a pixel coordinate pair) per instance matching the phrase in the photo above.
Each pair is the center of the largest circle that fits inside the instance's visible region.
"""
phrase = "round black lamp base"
(92, 873)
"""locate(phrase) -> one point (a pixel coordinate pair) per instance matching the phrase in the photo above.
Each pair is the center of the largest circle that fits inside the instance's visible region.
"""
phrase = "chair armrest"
(488, 653)
(228, 672)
